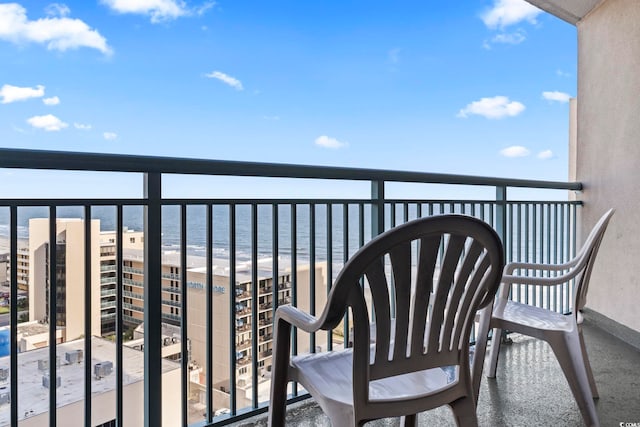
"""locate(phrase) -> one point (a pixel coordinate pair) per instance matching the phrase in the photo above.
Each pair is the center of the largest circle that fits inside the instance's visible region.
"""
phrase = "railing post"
(152, 300)
(501, 229)
(377, 207)
(501, 213)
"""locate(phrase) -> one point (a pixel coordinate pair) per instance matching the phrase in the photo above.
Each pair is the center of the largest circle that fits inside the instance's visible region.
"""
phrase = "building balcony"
(530, 389)
(541, 230)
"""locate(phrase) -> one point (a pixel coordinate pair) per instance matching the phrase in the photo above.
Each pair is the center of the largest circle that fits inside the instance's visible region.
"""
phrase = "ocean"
(197, 232)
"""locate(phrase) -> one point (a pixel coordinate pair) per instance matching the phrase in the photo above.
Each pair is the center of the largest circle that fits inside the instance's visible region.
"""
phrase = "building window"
(132, 239)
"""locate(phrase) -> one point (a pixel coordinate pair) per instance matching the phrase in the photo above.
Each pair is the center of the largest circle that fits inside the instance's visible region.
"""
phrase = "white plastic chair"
(562, 332)
(399, 372)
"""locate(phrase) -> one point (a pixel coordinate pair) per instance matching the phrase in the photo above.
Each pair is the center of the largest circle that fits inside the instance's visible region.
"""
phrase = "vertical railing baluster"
(184, 333)
(360, 225)
(87, 315)
(392, 215)
(275, 281)
(345, 257)
(516, 235)
(53, 315)
(232, 310)
(527, 239)
(549, 260)
(275, 292)
(13, 349)
(153, 300)
(329, 223)
(312, 271)
(209, 314)
(561, 254)
(501, 213)
(256, 303)
(574, 240)
(119, 321)
(294, 282)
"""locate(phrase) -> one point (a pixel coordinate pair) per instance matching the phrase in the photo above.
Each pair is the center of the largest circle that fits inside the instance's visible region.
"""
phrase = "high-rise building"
(70, 275)
(226, 337)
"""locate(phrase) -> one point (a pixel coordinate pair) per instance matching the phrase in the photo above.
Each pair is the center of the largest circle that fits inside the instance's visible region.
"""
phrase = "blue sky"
(475, 87)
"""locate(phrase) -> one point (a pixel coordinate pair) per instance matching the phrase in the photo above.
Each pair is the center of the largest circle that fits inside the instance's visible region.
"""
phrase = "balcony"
(530, 389)
(328, 231)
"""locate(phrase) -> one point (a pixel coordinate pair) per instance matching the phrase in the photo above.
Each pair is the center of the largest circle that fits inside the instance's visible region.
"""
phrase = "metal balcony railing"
(315, 238)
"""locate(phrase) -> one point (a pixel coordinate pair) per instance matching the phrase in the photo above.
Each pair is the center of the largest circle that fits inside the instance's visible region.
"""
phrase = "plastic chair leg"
(495, 350)
(408, 421)
(279, 377)
(569, 354)
(480, 350)
(464, 411)
(587, 366)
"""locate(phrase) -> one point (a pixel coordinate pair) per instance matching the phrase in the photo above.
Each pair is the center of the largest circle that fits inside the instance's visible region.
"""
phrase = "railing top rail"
(77, 161)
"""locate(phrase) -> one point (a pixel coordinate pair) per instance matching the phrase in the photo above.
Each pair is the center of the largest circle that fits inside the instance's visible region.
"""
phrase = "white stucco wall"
(608, 154)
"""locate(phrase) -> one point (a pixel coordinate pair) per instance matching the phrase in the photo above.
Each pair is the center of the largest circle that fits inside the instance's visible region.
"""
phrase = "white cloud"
(81, 126)
(204, 7)
(57, 9)
(158, 10)
(54, 100)
(49, 123)
(10, 93)
(515, 151)
(231, 81)
(546, 154)
(58, 33)
(561, 73)
(516, 37)
(272, 118)
(110, 136)
(493, 108)
(328, 142)
(505, 13)
(556, 96)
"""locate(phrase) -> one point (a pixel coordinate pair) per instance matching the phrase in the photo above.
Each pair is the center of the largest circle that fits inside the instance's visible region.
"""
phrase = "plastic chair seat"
(532, 319)
(330, 375)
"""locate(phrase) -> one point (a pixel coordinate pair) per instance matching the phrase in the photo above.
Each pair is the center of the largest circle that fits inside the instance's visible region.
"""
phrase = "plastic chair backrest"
(588, 252)
(456, 269)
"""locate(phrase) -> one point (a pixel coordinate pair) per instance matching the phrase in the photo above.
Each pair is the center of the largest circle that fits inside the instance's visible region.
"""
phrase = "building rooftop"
(33, 397)
(220, 266)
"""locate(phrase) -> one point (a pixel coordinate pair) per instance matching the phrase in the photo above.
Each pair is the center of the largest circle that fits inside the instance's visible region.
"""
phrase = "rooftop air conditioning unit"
(74, 356)
(47, 383)
(102, 369)
(5, 396)
(43, 364)
(4, 374)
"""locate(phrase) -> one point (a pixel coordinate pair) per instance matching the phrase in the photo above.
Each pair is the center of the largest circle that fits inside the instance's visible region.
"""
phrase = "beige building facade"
(70, 275)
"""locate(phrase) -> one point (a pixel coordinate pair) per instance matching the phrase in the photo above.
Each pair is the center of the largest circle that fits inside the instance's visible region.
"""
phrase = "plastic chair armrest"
(297, 318)
(538, 281)
(512, 266)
